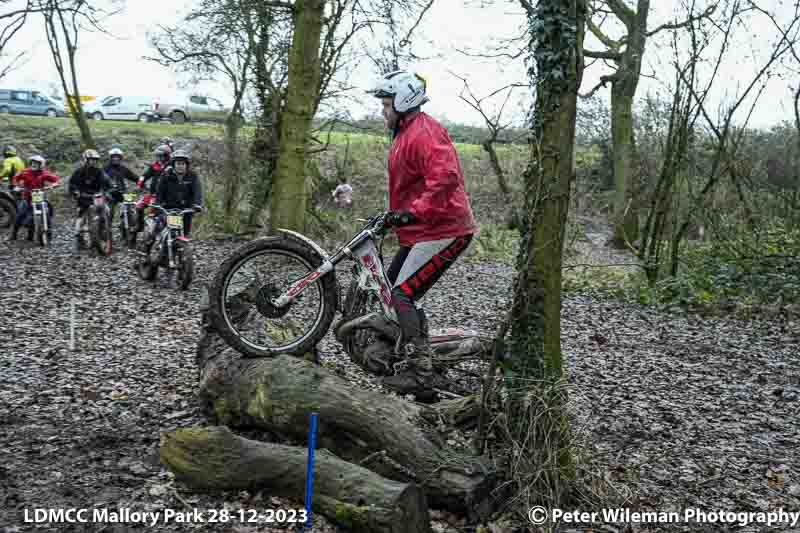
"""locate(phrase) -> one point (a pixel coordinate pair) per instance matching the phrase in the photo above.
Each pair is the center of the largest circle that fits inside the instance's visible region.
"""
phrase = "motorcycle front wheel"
(146, 270)
(185, 264)
(242, 293)
(38, 230)
(101, 234)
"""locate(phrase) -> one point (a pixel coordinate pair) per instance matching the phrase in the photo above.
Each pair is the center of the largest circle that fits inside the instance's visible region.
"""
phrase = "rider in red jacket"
(428, 203)
(33, 177)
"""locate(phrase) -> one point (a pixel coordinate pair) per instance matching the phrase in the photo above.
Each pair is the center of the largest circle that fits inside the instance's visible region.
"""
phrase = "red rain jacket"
(425, 179)
(33, 179)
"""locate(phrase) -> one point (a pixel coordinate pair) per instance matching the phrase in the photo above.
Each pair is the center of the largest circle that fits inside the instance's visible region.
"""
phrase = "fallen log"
(213, 458)
(389, 434)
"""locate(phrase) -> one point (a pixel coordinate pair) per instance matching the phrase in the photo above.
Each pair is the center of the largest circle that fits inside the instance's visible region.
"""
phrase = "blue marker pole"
(312, 444)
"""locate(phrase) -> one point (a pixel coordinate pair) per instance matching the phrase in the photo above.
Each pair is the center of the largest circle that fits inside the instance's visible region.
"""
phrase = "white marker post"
(72, 325)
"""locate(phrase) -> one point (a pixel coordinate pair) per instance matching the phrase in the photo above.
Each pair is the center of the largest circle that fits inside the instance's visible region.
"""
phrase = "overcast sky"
(109, 64)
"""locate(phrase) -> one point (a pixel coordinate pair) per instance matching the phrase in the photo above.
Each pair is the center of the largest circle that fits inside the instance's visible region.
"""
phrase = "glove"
(140, 183)
(396, 219)
(197, 208)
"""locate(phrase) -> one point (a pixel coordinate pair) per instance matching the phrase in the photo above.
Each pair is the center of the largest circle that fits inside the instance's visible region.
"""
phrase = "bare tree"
(626, 54)
(11, 22)
(312, 61)
(493, 118)
(216, 39)
(64, 20)
(726, 135)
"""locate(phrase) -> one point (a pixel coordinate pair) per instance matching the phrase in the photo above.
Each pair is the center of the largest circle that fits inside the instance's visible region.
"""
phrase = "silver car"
(194, 108)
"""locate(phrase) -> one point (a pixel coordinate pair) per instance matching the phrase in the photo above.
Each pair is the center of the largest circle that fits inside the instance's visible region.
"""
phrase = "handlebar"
(376, 223)
(177, 211)
(42, 189)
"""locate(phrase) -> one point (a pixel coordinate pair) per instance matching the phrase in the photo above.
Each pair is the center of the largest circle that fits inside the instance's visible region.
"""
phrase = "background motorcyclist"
(12, 165)
(33, 177)
(87, 180)
(118, 173)
(149, 181)
(180, 188)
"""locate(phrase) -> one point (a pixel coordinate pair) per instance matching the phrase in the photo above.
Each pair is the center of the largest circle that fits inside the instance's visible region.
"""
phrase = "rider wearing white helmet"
(33, 177)
(428, 206)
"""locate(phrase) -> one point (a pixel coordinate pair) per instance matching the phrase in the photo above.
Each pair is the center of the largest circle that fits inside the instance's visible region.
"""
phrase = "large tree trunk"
(350, 495)
(278, 394)
(626, 226)
(289, 192)
(233, 173)
(533, 376)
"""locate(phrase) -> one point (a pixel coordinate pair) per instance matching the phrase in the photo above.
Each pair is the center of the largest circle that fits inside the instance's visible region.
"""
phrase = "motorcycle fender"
(305, 240)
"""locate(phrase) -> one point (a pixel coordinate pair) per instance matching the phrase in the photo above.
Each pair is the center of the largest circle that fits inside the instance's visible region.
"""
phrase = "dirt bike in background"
(279, 295)
(95, 225)
(41, 219)
(170, 248)
(128, 218)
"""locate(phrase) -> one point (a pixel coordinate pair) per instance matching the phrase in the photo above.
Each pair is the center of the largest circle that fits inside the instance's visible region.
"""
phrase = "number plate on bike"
(129, 196)
(37, 196)
(175, 221)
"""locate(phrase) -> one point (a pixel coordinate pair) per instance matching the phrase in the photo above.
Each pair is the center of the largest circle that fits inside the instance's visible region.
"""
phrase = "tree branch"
(614, 56)
(625, 14)
(678, 25)
(602, 37)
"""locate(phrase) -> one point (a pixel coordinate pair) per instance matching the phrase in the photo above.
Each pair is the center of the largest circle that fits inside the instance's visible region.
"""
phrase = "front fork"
(170, 249)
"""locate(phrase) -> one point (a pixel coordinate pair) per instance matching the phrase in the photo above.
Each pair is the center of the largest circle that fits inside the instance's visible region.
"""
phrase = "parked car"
(29, 102)
(121, 108)
(194, 108)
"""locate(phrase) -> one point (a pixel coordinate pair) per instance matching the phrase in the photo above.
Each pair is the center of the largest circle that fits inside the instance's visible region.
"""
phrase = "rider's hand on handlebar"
(140, 183)
(396, 219)
(197, 208)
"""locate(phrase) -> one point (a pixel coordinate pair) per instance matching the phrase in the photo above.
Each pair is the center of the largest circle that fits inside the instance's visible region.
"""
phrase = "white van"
(121, 108)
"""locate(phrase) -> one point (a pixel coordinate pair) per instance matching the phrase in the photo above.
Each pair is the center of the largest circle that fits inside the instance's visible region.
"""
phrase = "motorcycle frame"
(125, 206)
(371, 274)
(40, 209)
(170, 234)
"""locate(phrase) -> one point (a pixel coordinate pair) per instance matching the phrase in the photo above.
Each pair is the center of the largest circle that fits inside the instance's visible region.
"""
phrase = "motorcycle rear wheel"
(8, 212)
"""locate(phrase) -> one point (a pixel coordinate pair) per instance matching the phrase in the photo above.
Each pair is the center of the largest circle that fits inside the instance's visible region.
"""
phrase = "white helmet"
(116, 151)
(406, 88)
(39, 159)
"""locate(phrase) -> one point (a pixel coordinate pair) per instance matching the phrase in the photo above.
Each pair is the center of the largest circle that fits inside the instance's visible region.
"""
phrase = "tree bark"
(626, 227)
(350, 495)
(533, 377)
(278, 394)
(233, 173)
(488, 145)
(289, 191)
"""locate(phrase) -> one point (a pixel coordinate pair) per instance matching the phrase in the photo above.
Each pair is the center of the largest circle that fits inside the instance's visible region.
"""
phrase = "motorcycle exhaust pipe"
(372, 320)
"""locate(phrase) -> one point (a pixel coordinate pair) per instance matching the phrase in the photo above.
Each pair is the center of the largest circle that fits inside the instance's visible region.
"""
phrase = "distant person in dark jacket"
(180, 188)
(119, 174)
(87, 180)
